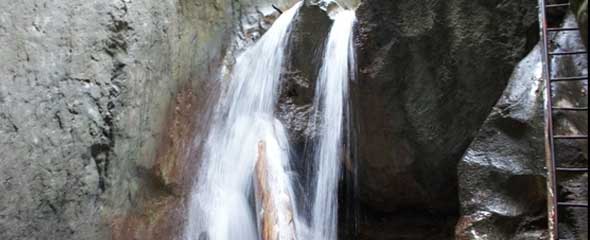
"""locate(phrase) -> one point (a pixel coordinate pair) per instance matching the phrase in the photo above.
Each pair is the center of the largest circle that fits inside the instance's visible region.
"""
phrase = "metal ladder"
(554, 204)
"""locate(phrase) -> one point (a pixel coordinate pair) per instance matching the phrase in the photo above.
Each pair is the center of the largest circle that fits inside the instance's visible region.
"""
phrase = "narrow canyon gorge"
(284, 120)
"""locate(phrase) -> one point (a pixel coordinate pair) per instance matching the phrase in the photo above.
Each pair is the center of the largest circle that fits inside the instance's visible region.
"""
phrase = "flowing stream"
(244, 189)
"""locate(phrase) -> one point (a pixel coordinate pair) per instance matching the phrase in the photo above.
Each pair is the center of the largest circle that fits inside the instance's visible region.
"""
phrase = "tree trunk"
(270, 216)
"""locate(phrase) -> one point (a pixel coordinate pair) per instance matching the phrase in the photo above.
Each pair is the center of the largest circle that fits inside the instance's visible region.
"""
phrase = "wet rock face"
(310, 29)
(87, 90)
(429, 74)
(425, 87)
(306, 46)
(502, 176)
(502, 183)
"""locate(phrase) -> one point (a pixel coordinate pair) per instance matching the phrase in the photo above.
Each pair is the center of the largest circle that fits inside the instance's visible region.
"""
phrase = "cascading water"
(244, 190)
(331, 106)
(220, 207)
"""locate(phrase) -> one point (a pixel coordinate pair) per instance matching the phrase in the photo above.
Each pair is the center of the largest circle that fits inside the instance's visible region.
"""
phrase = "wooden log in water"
(270, 214)
(263, 196)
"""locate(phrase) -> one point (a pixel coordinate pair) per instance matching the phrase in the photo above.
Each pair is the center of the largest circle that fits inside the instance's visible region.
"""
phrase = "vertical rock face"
(100, 103)
(502, 181)
(310, 29)
(429, 74)
(90, 94)
(502, 177)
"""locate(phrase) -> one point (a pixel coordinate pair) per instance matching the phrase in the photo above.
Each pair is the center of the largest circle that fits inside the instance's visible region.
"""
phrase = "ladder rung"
(565, 79)
(574, 170)
(570, 136)
(560, 29)
(557, 5)
(567, 53)
(575, 109)
(574, 205)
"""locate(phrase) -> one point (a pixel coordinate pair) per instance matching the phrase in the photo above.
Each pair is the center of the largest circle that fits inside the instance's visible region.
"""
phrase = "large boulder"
(429, 73)
(502, 176)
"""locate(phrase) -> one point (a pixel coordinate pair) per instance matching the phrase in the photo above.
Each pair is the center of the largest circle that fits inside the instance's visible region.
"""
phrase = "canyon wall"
(103, 106)
(97, 105)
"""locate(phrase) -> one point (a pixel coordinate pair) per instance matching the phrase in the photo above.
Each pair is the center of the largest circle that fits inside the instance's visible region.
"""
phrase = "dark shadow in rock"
(100, 155)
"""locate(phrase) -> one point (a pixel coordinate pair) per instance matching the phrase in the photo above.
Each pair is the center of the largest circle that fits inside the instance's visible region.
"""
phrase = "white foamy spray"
(331, 104)
(220, 207)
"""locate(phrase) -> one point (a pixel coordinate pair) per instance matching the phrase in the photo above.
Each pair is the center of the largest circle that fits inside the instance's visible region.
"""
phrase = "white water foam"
(220, 207)
(223, 206)
(331, 104)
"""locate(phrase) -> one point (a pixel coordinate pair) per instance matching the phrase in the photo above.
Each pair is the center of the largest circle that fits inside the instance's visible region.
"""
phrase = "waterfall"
(244, 188)
(220, 207)
(331, 104)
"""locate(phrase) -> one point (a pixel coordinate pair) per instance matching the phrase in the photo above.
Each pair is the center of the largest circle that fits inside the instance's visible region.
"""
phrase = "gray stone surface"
(86, 86)
(502, 176)
(429, 74)
(295, 107)
(84, 92)
(310, 28)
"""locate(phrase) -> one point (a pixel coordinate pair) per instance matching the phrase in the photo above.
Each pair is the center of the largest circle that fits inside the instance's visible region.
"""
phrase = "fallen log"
(274, 211)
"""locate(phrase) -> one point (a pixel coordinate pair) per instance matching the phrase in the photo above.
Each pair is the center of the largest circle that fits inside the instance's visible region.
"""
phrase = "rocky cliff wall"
(502, 176)
(96, 102)
(429, 74)
(102, 104)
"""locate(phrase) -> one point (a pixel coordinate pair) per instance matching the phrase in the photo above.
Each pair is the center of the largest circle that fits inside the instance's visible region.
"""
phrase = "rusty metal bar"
(573, 205)
(557, 5)
(553, 217)
(567, 53)
(573, 170)
(573, 109)
(562, 29)
(566, 79)
(572, 137)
